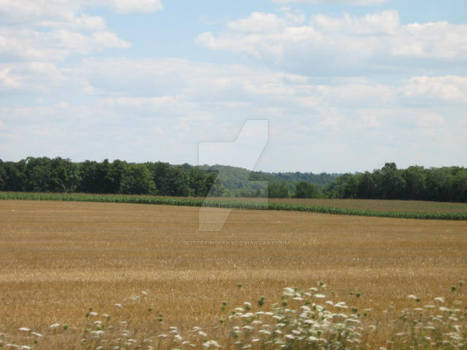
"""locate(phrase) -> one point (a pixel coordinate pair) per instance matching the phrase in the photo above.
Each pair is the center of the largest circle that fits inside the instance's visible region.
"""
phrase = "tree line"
(446, 184)
(62, 175)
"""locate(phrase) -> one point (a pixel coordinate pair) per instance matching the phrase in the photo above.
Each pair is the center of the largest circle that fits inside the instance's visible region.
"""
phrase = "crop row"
(226, 203)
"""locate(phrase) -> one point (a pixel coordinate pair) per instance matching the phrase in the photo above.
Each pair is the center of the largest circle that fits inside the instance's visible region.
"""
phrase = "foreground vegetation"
(300, 319)
(303, 206)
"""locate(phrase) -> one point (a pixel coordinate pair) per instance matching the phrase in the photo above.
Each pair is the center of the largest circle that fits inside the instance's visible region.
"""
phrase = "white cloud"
(258, 22)
(449, 88)
(82, 22)
(342, 42)
(35, 45)
(52, 30)
(34, 77)
(8, 81)
(342, 2)
(106, 39)
(130, 6)
(138, 102)
(34, 11)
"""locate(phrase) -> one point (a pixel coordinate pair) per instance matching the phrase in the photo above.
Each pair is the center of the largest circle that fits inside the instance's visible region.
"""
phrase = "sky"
(327, 85)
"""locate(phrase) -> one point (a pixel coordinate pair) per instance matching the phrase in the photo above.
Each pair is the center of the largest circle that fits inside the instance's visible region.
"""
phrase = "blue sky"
(345, 85)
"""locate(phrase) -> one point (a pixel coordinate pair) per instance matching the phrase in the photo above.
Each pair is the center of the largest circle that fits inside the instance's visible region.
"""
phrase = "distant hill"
(243, 181)
(321, 179)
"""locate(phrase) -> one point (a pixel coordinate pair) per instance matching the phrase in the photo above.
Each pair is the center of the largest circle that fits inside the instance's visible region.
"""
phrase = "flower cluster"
(302, 320)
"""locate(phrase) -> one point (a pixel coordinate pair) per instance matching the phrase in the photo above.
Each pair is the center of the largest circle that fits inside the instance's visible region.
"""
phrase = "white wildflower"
(341, 305)
(210, 343)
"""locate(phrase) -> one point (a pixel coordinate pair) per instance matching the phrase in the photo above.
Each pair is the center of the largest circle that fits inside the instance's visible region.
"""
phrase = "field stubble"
(57, 259)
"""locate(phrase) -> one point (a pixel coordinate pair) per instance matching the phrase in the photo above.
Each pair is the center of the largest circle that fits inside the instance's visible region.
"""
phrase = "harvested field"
(58, 259)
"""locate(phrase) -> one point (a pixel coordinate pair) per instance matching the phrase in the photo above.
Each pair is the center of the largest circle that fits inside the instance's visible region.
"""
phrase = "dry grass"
(57, 259)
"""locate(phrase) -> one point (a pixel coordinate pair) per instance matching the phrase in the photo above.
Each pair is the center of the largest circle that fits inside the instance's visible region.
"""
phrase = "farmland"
(58, 259)
(381, 205)
(378, 208)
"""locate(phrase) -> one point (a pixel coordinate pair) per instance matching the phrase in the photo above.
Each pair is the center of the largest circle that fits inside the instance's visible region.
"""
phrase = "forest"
(446, 184)
(42, 174)
(62, 175)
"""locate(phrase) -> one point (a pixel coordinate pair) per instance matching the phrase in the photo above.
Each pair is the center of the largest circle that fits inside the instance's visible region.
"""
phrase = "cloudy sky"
(346, 85)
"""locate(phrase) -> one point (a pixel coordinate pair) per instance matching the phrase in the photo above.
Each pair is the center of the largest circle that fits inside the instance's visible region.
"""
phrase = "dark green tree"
(306, 190)
(366, 186)
(36, 173)
(2, 176)
(393, 184)
(14, 176)
(137, 179)
(277, 190)
(63, 176)
(414, 178)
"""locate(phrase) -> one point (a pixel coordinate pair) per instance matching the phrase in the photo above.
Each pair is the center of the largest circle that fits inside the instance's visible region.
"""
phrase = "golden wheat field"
(58, 259)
